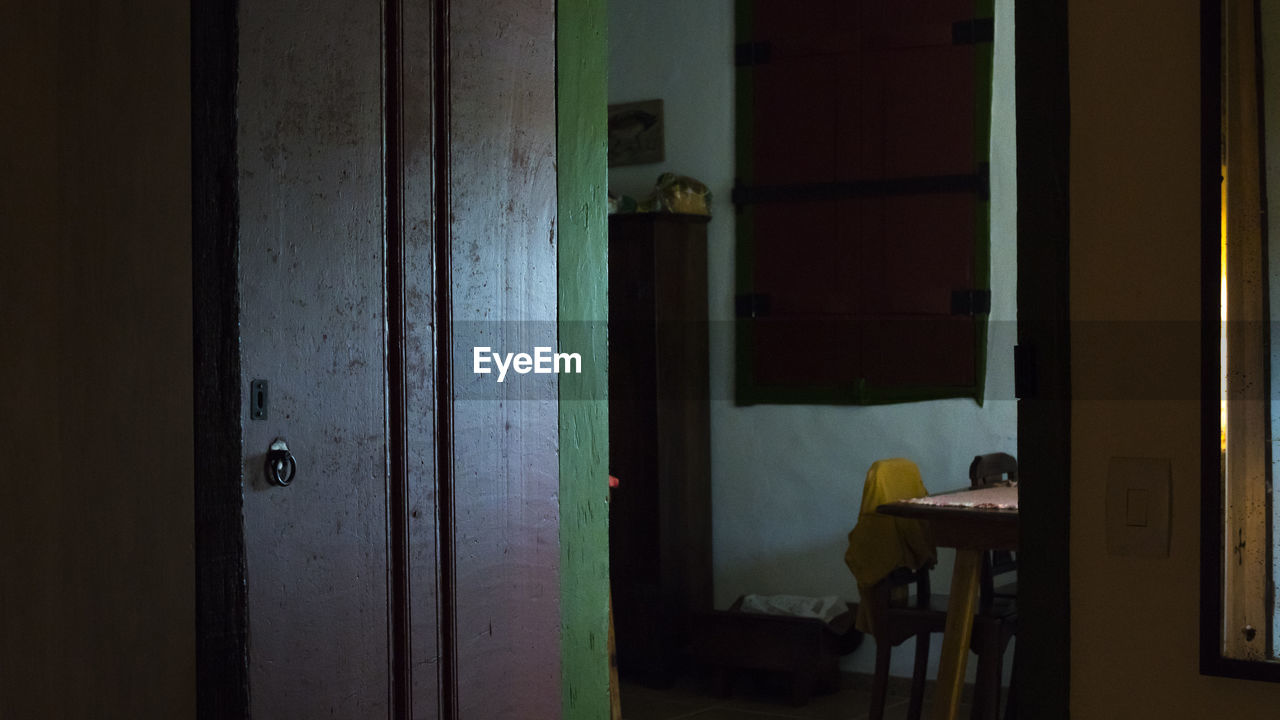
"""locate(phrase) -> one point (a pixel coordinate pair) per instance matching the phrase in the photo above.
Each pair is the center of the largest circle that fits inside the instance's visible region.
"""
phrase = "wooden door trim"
(583, 309)
(222, 660)
(442, 287)
(398, 613)
(1043, 662)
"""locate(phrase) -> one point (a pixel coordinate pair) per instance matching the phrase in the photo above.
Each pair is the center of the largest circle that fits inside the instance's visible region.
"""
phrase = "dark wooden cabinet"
(659, 438)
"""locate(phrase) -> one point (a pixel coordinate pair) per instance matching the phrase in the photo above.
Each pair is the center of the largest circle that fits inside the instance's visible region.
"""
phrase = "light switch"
(1135, 508)
(1138, 506)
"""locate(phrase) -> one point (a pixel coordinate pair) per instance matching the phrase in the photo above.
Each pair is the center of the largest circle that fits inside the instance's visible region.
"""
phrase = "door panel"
(312, 324)
(506, 475)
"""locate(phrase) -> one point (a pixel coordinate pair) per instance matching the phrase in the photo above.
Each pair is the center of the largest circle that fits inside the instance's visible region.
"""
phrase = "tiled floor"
(689, 700)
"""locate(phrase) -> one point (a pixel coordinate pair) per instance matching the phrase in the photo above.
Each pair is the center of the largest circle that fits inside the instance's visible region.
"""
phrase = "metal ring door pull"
(281, 467)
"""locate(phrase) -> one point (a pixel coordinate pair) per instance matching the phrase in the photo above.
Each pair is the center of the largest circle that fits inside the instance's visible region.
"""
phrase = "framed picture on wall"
(635, 133)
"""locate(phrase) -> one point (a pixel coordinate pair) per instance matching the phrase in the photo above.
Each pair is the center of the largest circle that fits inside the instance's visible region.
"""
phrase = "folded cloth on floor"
(826, 608)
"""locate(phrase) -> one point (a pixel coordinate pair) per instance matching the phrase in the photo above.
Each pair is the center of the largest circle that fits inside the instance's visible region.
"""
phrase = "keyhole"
(258, 400)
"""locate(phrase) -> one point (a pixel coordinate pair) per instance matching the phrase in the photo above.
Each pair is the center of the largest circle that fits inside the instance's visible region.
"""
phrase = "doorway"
(751, 481)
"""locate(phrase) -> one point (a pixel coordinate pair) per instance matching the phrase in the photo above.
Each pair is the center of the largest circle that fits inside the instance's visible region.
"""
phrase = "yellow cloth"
(879, 544)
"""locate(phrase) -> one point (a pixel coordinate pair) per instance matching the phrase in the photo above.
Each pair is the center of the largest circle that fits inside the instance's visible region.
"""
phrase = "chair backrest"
(879, 543)
(886, 552)
(992, 468)
(889, 480)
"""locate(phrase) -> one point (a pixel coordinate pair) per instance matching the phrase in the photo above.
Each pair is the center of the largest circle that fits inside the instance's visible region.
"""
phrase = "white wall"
(1135, 203)
(787, 479)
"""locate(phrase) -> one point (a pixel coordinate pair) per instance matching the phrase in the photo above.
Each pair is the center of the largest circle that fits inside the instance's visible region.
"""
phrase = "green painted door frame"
(582, 185)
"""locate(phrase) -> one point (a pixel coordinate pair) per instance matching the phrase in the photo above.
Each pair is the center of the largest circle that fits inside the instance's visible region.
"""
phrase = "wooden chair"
(891, 626)
(986, 471)
(919, 617)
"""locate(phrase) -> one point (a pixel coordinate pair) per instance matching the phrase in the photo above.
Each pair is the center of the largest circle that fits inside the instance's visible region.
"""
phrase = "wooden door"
(396, 189)
(313, 326)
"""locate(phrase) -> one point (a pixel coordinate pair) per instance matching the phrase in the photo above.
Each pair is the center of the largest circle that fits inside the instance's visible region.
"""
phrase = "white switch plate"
(1138, 506)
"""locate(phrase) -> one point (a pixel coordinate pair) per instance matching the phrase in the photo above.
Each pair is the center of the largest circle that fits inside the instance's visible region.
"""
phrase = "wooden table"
(970, 521)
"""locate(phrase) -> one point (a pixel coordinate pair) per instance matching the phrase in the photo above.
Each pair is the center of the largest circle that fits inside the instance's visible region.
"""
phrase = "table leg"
(955, 641)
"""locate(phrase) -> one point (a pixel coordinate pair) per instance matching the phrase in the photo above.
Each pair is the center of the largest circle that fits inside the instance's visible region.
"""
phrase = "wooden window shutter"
(862, 200)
